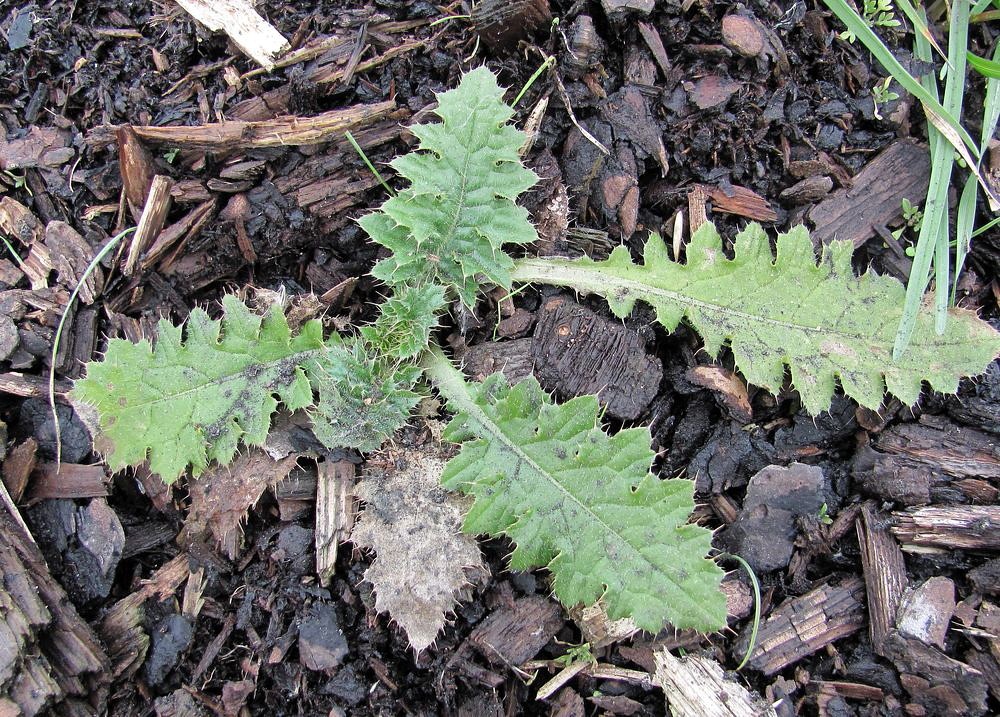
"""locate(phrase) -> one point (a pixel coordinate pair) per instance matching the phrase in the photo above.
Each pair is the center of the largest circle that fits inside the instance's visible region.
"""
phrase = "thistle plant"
(571, 497)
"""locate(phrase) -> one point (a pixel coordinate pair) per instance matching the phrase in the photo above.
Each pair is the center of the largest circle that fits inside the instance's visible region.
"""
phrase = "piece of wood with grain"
(250, 32)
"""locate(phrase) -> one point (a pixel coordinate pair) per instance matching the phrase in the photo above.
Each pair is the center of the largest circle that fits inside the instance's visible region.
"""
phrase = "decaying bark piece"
(512, 358)
(501, 23)
(948, 527)
(222, 495)
(71, 255)
(28, 386)
(51, 662)
(69, 480)
(885, 574)
(950, 448)
(900, 172)
(577, 352)
(932, 461)
(335, 513)
(245, 27)
(696, 686)
(17, 222)
(137, 168)
(740, 201)
(802, 625)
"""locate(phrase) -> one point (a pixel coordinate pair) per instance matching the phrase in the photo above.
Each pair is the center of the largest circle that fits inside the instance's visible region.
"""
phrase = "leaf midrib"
(297, 357)
(468, 405)
(588, 278)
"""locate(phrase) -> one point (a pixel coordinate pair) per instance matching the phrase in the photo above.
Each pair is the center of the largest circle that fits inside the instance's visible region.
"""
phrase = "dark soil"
(761, 127)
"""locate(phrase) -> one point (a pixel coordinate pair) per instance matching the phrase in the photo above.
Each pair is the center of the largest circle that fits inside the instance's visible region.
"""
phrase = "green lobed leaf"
(199, 391)
(449, 226)
(819, 319)
(580, 502)
(362, 400)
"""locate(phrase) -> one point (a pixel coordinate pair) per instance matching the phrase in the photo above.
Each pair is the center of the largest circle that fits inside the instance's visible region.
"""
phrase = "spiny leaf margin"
(579, 502)
(199, 390)
(449, 226)
(362, 400)
(819, 319)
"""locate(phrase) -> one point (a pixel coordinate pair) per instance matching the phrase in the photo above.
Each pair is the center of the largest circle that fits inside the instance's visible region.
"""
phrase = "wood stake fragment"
(254, 35)
(69, 480)
(19, 384)
(179, 233)
(136, 166)
(696, 208)
(655, 44)
(154, 214)
(742, 202)
(901, 171)
(885, 574)
(335, 513)
(697, 687)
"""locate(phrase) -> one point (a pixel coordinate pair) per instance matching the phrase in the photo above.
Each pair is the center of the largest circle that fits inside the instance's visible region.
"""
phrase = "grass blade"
(105, 250)
(933, 240)
(849, 16)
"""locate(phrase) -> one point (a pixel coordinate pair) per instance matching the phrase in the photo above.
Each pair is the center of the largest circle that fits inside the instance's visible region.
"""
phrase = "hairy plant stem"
(447, 379)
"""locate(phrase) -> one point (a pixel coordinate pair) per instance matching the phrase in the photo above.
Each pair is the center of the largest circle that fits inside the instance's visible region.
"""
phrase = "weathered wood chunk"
(513, 635)
(322, 645)
(956, 450)
(513, 358)
(938, 683)
(578, 352)
(50, 660)
(777, 496)
(501, 23)
(986, 578)
(802, 625)
(696, 686)
(948, 527)
(900, 172)
(925, 612)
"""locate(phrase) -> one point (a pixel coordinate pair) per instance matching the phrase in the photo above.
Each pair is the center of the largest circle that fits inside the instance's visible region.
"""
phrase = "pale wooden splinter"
(254, 35)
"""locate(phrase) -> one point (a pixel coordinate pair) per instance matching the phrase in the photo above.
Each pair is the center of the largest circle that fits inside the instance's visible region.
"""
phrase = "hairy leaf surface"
(405, 321)
(580, 502)
(819, 319)
(194, 395)
(451, 223)
(362, 400)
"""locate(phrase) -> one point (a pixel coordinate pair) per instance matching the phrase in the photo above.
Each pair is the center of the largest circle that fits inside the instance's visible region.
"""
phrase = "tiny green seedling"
(576, 654)
(875, 13)
(824, 516)
(881, 95)
(20, 181)
(570, 496)
(912, 216)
